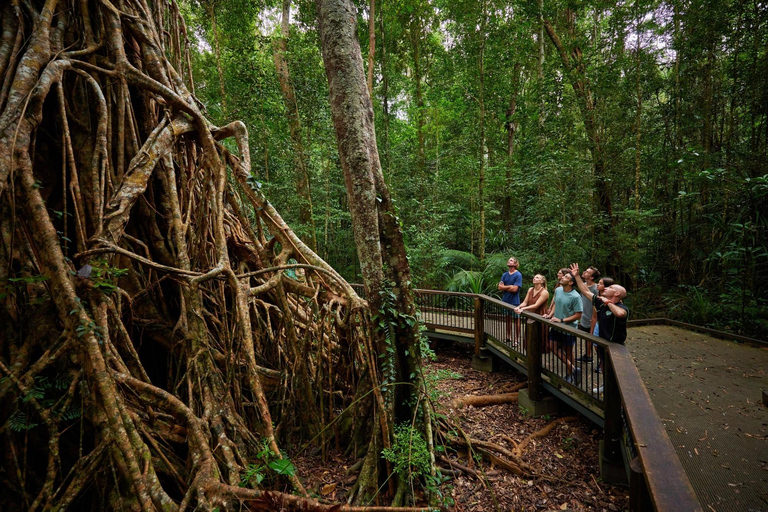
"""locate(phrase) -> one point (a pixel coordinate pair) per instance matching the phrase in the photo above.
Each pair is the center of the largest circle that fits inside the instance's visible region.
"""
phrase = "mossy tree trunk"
(378, 238)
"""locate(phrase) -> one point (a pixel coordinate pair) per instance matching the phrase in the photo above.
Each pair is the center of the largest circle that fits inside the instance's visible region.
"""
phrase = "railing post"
(479, 325)
(611, 461)
(533, 351)
(639, 497)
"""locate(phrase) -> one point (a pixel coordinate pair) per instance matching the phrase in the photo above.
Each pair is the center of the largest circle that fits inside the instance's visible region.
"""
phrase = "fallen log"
(484, 400)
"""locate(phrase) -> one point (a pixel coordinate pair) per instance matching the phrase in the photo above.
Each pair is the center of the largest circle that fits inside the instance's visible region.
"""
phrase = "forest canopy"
(627, 135)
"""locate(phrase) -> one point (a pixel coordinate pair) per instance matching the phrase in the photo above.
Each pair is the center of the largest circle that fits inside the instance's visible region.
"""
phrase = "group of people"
(587, 302)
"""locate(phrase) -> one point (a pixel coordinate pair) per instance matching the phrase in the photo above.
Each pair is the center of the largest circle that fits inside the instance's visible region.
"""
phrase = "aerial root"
(268, 501)
(518, 450)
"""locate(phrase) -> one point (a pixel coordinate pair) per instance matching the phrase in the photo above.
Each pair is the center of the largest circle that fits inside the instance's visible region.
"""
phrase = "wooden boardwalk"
(708, 393)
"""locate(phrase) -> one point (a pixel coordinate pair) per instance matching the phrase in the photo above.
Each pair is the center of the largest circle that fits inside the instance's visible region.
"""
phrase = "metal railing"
(615, 397)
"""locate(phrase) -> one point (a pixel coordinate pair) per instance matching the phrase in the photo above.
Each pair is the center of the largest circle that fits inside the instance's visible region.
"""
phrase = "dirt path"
(708, 393)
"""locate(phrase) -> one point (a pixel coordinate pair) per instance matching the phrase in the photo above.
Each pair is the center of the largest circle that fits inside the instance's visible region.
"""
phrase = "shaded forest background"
(627, 135)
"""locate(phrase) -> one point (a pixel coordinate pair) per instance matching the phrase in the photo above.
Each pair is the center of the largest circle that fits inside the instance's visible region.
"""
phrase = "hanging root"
(151, 337)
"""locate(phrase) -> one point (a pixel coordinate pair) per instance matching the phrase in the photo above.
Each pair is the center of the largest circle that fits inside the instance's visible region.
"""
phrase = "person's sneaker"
(598, 369)
(597, 391)
(569, 379)
(585, 359)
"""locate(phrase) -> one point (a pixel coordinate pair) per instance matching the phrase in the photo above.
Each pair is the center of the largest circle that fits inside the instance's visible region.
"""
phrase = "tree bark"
(371, 45)
(160, 318)
(379, 241)
(294, 123)
(575, 70)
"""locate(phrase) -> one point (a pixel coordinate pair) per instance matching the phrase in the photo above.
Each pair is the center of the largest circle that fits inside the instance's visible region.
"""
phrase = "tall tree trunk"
(294, 123)
(575, 70)
(511, 126)
(376, 229)
(540, 73)
(415, 33)
(371, 45)
(638, 149)
(483, 142)
(211, 6)
(385, 91)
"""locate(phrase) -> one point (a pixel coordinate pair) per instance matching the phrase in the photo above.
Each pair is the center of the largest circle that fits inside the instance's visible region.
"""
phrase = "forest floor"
(565, 460)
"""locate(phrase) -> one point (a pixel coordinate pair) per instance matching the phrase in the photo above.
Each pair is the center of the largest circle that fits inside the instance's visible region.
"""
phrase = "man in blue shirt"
(510, 284)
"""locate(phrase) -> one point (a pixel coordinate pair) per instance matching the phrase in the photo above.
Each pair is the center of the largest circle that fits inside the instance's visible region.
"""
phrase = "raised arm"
(580, 285)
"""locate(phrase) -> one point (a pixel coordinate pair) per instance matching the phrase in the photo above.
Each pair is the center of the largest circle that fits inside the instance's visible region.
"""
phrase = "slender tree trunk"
(385, 90)
(379, 241)
(575, 70)
(638, 148)
(294, 123)
(483, 142)
(415, 37)
(540, 73)
(375, 226)
(511, 125)
(211, 6)
(371, 45)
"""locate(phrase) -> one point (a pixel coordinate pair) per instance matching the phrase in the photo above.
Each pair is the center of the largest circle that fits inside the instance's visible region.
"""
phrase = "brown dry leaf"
(328, 489)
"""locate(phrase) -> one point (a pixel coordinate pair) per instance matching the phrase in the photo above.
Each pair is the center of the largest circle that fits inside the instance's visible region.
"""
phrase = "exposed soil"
(565, 460)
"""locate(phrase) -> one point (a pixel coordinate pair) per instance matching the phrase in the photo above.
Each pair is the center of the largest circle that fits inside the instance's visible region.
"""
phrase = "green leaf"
(282, 467)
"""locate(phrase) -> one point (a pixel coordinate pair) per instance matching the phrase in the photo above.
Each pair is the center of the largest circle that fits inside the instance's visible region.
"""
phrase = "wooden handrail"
(664, 479)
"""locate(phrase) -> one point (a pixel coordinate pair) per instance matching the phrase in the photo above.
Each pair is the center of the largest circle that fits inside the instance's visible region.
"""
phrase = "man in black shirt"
(612, 314)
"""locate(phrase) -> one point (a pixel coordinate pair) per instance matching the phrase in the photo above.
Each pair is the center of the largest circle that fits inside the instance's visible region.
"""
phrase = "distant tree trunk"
(575, 71)
(385, 91)
(415, 38)
(294, 123)
(540, 73)
(483, 141)
(511, 126)
(371, 45)
(211, 6)
(638, 151)
(376, 229)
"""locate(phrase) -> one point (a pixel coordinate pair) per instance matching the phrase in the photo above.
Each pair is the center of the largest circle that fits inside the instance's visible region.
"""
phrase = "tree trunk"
(511, 126)
(371, 45)
(575, 70)
(294, 123)
(415, 38)
(211, 7)
(379, 241)
(483, 142)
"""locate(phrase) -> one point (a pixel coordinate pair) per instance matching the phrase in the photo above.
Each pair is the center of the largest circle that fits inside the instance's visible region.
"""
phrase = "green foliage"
(49, 393)
(268, 468)
(104, 275)
(690, 86)
(409, 453)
